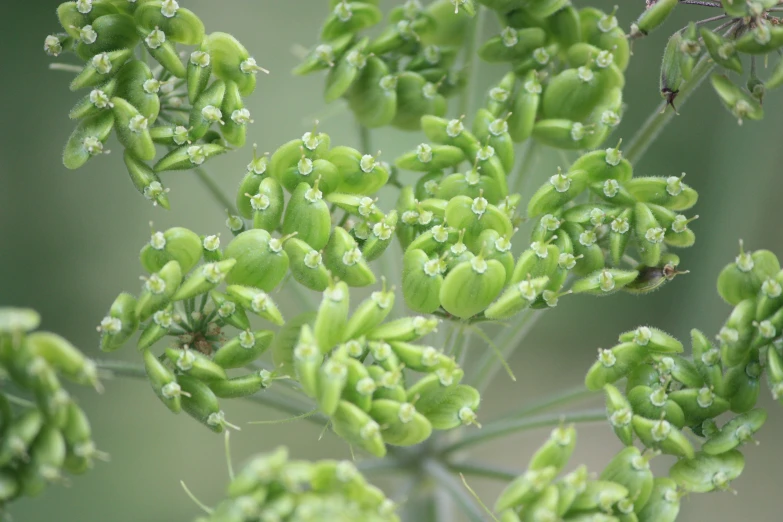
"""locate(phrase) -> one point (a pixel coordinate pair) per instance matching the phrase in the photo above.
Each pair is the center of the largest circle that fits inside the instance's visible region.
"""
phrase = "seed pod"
(232, 62)
(561, 189)
(495, 133)
(243, 349)
(475, 216)
(614, 364)
(401, 424)
(761, 39)
(744, 278)
(87, 139)
(404, 329)
(250, 184)
(450, 132)
(332, 318)
(370, 313)
(229, 312)
(652, 17)
(158, 290)
(742, 386)
(774, 372)
(146, 180)
(664, 502)
(736, 432)
(498, 96)
(19, 435)
(181, 26)
(195, 364)
(100, 69)
(699, 404)
(668, 192)
(331, 380)
(388, 384)
(525, 488)
(201, 403)
(604, 282)
(121, 322)
(322, 56)
(654, 339)
(136, 84)
(416, 97)
(132, 129)
(704, 472)
(188, 157)
(619, 412)
(267, 205)
(556, 450)
(208, 277)
(421, 281)
(344, 259)
(671, 75)
(447, 407)
(605, 164)
(47, 456)
(589, 256)
(470, 287)
(257, 301)
(163, 381)
(163, 51)
(156, 329)
(722, 51)
(199, 72)
(740, 103)
(574, 93)
(736, 334)
(261, 261)
(599, 494)
(350, 17)
(680, 369)
(306, 265)
(512, 44)
(96, 102)
(654, 403)
(516, 298)
(380, 238)
(427, 158)
(175, 244)
(770, 299)
(358, 428)
(206, 109)
(344, 73)
(497, 247)
(356, 173)
(662, 435)
(243, 386)
(286, 340)
(63, 357)
(308, 215)
(631, 469)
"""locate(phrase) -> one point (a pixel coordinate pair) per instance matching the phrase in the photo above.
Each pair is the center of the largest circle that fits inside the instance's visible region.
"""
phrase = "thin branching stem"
(700, 2)
(214, 189)
(503, 427)
(549, 402)
(649, 131)
(449, 482)
(477, 469)
(471, 63)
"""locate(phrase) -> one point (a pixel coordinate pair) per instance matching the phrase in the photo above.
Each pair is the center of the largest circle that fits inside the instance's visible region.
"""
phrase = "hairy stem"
(471, 63)
(215, 190)
(651, 128)
(269, 398)
(504, 427)
(445, 479)
(477, 469)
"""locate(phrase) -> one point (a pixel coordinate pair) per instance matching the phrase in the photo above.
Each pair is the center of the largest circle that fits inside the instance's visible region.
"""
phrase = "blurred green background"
(69, 244)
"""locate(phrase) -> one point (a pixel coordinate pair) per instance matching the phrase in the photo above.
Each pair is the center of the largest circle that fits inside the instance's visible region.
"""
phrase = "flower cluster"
(403, 73)
(270, 486)
(566, 89)
(49, 435)
(173, 105)
(457, 228)
(744, 29)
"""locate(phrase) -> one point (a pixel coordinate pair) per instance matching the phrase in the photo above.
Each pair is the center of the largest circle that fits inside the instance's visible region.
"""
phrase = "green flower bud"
(256, 301)
(87, 139)
(261, 261)
(63, 357)
(599, 494)
(242, 350)
(704, 473)
(735, 432)
(744, 278)
(100, 68)
(631, 469)
(163, 381)
(660, 434)
(195, 364)
(404, 329)
(664, 502)
(332, 317)
(614, 364)
(188, 157)
(525, 488)
(120, 324)
(556, 450)
(201, 403)
(345, 260)
(179, 24)
(358, 428)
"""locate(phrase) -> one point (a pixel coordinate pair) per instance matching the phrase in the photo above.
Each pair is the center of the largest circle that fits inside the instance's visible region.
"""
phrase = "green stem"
(269, 398)
(527, 161)
(470, 62)
(651, 128)
(365, 139)
(485, 471)
(504, 427)
(215, 190)
(445, 479)
(552, 401)
(509, 340)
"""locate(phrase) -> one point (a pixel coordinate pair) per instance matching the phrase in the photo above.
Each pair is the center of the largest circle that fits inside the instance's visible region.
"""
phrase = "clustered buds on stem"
(173, 104)
(45, 435)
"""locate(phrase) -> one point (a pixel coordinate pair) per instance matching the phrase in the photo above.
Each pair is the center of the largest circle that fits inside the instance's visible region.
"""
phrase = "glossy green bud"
(416, 97)
(373, 95)
(604, 282)
(654, 339)
(306, 265)
(401, 424)
(470, 287)
(249, 186)
(605, 164)
(358, 428)
(664, 502)
(242, 386)
(146, 180)
(630, 468)
(404, 329)
(450, 132)
(350, 17)
(512, 44)
(332, 317)
(87, 139)
(344, 259)
(189, 157)
(232, 62)
(430, 157)
(228, 311)
(516, 297)
(97, 101)
(654, 403)
(267, 205)
(560, 189)
(614, 364)
(735, 432)
(357, 173)
(660, 434)
(243, 349)
(699, 404)
(133, 129)
(344, 73)
(599, 494)
(422, 280)
(619, 412)
(761, 39)
(100, 68)
(163, 381)
(201, 403)
(742, 386)
(744, 278)
(158, 290)
(669, 192)
(120, 323)
(195, 364)
(260, 259)
(137, 85)
(179, 24)
(556, 451)
(175, 244)
(19, 435)
(652, 17)
(704, 472)
(256, 301)
(525, 488)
